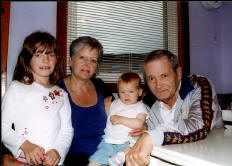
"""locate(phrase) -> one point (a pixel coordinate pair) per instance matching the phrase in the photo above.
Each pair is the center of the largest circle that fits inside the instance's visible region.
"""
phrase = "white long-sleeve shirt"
(40, 115)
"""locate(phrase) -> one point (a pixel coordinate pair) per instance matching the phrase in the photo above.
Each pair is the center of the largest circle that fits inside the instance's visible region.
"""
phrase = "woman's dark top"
(88, 122)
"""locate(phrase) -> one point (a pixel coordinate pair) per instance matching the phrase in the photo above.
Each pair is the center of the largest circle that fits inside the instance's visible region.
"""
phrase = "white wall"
(25, 18)
(211, 44)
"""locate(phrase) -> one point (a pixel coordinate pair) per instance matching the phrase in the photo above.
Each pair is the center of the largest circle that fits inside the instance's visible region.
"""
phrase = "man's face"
(162, 80)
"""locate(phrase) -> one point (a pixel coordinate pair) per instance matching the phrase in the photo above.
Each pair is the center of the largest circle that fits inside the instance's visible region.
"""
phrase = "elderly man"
(182, 109)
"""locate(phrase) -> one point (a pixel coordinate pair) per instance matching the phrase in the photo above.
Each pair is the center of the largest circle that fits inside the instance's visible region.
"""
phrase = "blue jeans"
(105, 151)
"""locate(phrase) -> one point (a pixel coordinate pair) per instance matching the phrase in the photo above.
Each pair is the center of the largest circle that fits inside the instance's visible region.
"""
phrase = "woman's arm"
(7, 160)
(107, 103)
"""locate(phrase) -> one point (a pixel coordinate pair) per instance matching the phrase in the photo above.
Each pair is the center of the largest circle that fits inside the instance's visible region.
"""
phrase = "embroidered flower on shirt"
(51, 98)
(25, 132)
(51, 95)
(45, 98)
(54, 102)
(56, 92)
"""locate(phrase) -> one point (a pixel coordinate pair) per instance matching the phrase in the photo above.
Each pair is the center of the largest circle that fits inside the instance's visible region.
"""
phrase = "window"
(127, 29)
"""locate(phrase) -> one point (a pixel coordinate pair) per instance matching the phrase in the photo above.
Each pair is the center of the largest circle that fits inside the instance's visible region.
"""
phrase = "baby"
(124, 115)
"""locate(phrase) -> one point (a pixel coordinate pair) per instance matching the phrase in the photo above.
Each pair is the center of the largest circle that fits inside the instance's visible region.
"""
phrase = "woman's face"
(84, 63)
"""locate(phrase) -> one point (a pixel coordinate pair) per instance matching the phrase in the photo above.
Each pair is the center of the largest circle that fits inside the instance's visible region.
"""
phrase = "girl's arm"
(15, 142)
(65, 135)
(10, 105)
(133, 123)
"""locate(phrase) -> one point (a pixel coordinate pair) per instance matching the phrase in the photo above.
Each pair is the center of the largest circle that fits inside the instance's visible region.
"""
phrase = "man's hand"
(139, 155)
(52, 158)
(33, 153)
(138, 132)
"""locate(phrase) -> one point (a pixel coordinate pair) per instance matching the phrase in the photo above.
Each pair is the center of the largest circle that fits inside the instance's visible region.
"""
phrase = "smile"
(87, 71)
(45, 67)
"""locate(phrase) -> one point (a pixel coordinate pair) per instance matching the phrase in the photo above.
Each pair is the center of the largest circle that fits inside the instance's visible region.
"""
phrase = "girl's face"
(84, 63)
(129, 92)
(43, 64)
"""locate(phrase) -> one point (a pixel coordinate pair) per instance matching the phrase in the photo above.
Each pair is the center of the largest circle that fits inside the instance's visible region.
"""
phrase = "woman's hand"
(52, 158)
(138, 132)
(107, 103)
(33, 153)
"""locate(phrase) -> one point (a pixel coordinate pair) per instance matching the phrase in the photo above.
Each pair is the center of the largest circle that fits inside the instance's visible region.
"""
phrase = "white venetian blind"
(128, 30)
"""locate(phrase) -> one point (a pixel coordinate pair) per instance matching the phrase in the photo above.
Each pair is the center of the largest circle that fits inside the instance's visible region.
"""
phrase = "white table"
(214, 150)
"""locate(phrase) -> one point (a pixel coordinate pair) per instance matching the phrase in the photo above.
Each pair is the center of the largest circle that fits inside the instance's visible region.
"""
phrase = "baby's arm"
(133, 123)
(107, 103)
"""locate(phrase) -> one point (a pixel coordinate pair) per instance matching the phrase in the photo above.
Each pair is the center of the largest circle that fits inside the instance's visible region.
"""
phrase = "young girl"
(36, 114)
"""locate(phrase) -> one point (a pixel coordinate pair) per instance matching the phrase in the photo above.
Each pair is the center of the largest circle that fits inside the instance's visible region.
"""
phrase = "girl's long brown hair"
(32, 43)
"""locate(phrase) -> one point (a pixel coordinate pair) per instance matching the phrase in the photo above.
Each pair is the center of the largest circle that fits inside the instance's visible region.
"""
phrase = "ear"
(140, 91)
(179, 73)
(70, 61)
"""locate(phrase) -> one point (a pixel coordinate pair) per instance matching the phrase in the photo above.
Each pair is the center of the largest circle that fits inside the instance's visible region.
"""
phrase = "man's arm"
(200, 118)
(138, 132)
(140, 152)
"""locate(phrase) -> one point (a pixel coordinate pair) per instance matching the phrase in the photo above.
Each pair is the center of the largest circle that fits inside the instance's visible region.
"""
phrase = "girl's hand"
(116, 119)
(33, 153)
(52, 158)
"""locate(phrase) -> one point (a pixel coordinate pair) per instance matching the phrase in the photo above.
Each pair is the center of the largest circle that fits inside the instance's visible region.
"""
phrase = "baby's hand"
(52, 158)
(116, 119)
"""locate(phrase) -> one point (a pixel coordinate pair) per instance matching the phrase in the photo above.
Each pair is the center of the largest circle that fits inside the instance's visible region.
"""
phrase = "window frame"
(5, 20)
(183, 36)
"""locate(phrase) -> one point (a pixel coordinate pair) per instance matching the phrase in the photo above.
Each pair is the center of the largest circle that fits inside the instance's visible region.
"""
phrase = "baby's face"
(129, 92)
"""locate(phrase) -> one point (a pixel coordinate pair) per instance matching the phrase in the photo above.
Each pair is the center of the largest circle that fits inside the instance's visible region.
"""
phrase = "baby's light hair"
(128, 78)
